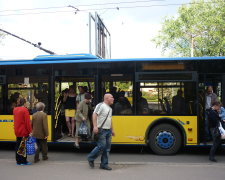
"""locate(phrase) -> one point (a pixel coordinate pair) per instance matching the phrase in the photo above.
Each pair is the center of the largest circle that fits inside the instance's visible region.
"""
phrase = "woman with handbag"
(214, 120)
(22, 129)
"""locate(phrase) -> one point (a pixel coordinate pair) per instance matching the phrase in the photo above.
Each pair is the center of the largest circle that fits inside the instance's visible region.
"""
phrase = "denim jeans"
(216, 144)
(103, 147)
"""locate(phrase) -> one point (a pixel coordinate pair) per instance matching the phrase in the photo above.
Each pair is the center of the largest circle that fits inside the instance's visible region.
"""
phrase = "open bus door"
(217, 81)
(61, 84)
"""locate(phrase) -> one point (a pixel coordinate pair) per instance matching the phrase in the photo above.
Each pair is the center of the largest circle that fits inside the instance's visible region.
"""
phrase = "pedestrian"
(210, 98)
(82, 116)
(70, 108)
(214, 119)
(102, 125)
(40, 131)
(22, 129)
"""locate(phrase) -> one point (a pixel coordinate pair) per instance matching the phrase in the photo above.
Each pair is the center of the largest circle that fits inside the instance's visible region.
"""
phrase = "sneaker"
(91, 164)
(106, 168)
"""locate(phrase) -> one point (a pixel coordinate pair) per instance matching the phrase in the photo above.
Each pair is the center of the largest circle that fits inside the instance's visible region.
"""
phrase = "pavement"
(127, 164)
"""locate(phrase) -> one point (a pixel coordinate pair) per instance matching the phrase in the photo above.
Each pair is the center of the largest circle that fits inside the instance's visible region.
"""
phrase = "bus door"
(62, 85)
(217, 81)
(1, 100)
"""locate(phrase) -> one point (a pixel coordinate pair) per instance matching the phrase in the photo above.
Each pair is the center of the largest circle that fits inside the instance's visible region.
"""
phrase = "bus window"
(120, 86)
(31, 89)
(175, 98)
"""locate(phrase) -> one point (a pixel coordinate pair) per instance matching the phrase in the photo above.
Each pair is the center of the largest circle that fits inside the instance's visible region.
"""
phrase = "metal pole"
(35, 45)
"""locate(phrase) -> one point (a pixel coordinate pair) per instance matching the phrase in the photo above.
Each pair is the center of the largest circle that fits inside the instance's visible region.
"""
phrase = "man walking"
(102, 125)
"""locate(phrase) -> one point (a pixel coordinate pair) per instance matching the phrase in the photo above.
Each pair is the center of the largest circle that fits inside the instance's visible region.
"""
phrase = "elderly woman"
(40, 131)
(22, 129)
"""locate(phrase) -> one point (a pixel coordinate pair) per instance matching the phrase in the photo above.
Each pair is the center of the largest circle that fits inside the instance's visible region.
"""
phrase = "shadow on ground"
(126, 149)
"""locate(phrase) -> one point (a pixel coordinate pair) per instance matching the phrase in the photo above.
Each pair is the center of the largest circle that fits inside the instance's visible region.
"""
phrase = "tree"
(198, 30)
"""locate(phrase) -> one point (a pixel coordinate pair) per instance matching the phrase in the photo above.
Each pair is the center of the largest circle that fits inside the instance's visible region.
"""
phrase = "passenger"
(14, 101)
(210, 98)
(142, 104)
(42, 94)
(178, 103)
(123, 105)
(114, 93)
(61, 127)
(85, 89)
(222, 113)
(40, 131)
(102, 122)
(214, 119)
(93, 103)
(22, 129)
(80, 96)
(70, 107)
(82, 114)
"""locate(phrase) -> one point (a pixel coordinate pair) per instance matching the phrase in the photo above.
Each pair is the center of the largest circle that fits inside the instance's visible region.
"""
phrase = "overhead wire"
(100, 4)
(105, 8)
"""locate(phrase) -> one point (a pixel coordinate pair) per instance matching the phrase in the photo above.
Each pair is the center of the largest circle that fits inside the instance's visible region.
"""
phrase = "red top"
(22, 125)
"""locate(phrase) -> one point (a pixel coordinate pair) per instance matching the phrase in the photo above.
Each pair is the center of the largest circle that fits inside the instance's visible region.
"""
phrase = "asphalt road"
(128, 162)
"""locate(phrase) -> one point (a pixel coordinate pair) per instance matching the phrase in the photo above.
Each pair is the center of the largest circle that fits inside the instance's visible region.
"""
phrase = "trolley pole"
(35, 45)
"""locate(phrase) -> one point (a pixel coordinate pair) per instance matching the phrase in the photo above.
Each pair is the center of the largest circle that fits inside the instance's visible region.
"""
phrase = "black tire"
(165, 139)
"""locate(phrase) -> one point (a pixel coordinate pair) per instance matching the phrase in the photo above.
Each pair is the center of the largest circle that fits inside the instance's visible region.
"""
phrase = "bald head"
(108, 99)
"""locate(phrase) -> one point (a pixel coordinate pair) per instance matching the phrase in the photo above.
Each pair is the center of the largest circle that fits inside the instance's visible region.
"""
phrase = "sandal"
(76, 145)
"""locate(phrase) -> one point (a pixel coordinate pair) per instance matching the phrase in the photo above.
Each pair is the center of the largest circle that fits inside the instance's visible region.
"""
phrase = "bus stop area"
(127, 163)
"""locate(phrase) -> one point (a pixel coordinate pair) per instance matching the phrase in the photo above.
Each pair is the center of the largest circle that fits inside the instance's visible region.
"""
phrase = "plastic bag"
(30, 146)
(83, 130)
(222, 131)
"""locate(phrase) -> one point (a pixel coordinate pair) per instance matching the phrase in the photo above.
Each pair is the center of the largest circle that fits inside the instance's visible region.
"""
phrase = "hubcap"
(165, 140)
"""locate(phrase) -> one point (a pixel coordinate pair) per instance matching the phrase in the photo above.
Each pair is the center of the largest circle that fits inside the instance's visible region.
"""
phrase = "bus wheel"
(165, 139)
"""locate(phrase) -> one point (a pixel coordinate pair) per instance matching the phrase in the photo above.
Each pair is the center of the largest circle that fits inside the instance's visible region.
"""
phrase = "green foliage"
(199, 26)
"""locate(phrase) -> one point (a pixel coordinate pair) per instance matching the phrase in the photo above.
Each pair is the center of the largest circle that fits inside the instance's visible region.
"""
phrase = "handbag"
(222, 130)
(30, 145)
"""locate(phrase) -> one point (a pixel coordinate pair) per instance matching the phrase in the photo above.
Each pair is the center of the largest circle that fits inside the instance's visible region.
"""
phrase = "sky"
(131, 23)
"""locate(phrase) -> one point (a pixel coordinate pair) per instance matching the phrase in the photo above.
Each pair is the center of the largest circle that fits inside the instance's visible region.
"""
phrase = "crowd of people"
(24, 127)
(77, 108)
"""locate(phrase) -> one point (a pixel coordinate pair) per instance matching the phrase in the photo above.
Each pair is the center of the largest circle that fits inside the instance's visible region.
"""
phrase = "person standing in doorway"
(70, 106)
(210, 98)
(102, 125)
(22, 129)
(80, 96)
(82, 113)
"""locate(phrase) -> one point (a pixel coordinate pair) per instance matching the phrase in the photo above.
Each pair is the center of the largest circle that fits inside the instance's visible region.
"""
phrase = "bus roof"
(78, 58)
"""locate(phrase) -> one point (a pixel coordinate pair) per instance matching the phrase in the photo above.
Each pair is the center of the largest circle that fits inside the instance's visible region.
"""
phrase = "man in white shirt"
(102, 124)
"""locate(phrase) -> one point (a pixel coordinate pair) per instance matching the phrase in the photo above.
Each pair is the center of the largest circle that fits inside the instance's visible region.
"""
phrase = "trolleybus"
(148, 86)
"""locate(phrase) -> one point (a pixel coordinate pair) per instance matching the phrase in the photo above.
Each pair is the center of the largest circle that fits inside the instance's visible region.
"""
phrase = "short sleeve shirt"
(102, 110)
